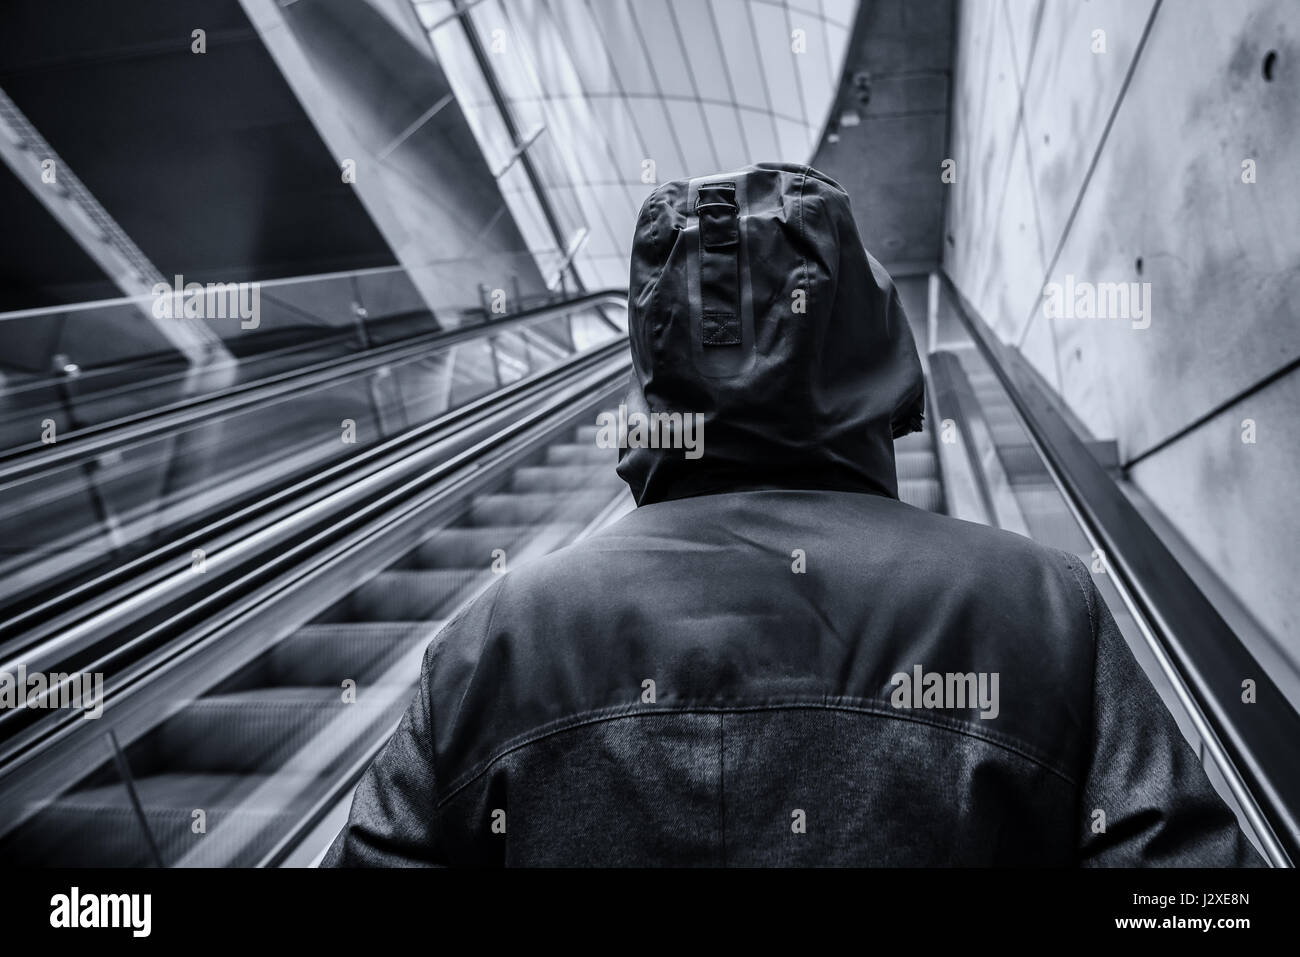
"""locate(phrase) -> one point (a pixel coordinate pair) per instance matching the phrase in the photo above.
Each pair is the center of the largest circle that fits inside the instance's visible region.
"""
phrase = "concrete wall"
(1125, 166)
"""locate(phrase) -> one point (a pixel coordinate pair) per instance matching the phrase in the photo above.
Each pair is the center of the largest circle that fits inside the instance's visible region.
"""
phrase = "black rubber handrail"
(52, 604)
(188, 601)
(60, 612)
(24, 462)
(1262, 738)
(259, 579)
(174, 368)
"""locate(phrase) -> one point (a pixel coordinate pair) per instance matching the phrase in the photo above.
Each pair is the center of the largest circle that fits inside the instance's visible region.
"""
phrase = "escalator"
(1041, 474)
(919, 482)
(244, 724)
(254, 753)
(99, 498)
(235, 737)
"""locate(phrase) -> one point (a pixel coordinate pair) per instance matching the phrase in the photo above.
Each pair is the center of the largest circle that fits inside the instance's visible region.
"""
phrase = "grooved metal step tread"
(98, 826)
(923, 493)
(469, 547)
(525, 508)
(916, 465)
(562, 478)
(575, 453)
(326, 654)
(253, 730)
(412, 594)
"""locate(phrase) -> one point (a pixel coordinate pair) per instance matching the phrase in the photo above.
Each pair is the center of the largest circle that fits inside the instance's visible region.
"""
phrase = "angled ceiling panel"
(692, 86)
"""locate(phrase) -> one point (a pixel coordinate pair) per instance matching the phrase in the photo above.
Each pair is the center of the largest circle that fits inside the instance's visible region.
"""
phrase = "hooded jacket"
(778, 328)
(773, 660)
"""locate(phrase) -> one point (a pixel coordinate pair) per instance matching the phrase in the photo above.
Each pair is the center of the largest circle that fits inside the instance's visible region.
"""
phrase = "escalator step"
(471, 547)
(532, 508)
(325, 654)
(246, 732)
(1049, 518)
(98, 827)
(1007, 433)
(1023, 463)
(573, 453)
(561, 478)
(412, 595)
(923, 493)
(916, 465)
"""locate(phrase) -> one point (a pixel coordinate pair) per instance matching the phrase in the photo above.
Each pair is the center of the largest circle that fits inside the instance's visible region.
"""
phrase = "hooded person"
(772, 660)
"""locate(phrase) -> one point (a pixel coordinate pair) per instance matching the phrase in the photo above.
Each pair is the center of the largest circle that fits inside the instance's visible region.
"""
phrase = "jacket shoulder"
(994, 561)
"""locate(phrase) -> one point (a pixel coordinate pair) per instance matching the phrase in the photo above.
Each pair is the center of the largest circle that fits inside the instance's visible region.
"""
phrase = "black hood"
(753, 304)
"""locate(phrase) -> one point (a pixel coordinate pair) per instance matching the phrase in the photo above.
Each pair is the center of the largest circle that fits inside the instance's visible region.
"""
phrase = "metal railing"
(61, 615)
(279, 583)
(104, 438)
(182, 614)
(155, 480)
(1256, 744)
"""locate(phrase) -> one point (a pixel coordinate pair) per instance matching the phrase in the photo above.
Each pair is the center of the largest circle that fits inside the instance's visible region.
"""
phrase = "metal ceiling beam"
(525, 160)
(89, 224)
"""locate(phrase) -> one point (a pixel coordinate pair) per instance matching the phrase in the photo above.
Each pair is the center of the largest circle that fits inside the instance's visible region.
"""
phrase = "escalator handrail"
(258, 576)
(24, 462)
(1259, 738)
(180, 368)
(346, 780)
(62, 614)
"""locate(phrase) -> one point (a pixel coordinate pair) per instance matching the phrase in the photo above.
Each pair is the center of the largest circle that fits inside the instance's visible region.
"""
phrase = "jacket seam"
(1077, 570)
(722, 786)
(1071, 562)
(803, 238)
(637, 711)
(487, 633)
